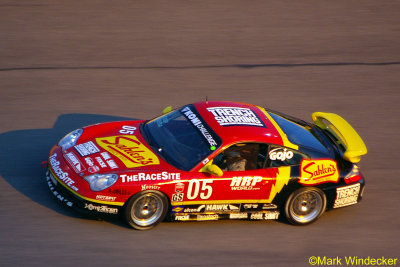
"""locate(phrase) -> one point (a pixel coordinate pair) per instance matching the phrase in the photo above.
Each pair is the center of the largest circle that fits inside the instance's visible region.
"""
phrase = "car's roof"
(239, 122)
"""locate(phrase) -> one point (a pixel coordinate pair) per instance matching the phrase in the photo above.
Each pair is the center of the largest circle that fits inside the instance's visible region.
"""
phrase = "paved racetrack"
(64, 64)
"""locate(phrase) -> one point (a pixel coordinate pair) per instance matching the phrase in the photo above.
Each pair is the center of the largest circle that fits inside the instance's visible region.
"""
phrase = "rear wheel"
(305, 205)
(146, 209)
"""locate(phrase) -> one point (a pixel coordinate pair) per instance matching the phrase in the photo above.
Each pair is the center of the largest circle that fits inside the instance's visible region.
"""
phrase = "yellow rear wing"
(342, 130)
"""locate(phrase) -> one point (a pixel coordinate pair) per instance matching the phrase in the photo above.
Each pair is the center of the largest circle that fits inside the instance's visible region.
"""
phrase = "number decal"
(194, 189)
(127, 129)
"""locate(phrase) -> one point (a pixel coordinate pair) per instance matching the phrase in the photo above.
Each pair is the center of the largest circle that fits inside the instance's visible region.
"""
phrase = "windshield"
(182, 138)
(298, 134)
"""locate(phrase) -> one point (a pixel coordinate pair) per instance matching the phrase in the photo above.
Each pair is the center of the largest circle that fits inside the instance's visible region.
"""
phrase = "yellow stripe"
(179, 203)
(285, 140)
(86, 198)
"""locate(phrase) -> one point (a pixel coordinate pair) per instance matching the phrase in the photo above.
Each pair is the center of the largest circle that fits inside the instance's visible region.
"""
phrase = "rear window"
(298, 134)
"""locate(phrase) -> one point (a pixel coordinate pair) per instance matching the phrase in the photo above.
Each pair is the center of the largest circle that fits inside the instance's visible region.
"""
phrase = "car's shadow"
(23, 151)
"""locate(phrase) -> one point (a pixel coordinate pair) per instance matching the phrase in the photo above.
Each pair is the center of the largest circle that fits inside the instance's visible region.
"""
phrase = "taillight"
(353, 176)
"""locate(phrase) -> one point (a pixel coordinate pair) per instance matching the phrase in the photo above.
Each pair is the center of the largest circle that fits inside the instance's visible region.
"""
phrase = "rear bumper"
(77, 203)
(345, 194)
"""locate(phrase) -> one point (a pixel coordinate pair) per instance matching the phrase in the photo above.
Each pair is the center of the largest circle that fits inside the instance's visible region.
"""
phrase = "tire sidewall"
(291, 198)
(129, 206)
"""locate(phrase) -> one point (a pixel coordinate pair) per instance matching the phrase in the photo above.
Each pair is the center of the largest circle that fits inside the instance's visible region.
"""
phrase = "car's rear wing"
(343, 132)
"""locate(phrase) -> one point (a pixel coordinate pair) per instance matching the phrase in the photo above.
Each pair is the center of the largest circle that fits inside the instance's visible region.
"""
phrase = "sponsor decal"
(177, 209)
(105, 155)
(117, 191)
(230, 116)
(105, 198)
(245, 183)
(178, 197)
(318, 171)
(89, 161)
(221, 207)
(50, 178)
(112, 164)
(207, 217)
(126, 129)
(75, 162)
(195, 209)
(280, 154)
(182, 217)
(241, 215)
(129, 150)
(250, 206)
(273, 215)
(160, 176)
(179, 187)
(63, 176)
(193, 118)
(101, 162)
(94, 169)
(346, 196)
(86, 149)
(269, 206)
(207, 160)
(103, 209)
(150, 187)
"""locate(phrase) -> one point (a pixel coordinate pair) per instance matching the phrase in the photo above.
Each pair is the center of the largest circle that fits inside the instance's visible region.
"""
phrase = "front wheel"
(146, 209)
(305, 205)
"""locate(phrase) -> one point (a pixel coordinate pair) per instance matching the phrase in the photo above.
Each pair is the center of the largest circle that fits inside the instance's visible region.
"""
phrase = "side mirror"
(213, 169)
(167, 110)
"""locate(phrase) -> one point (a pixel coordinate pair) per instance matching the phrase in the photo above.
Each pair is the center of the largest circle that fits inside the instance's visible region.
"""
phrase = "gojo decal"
(126, 129)
(280, 154)
(318, 171)
(198, 188)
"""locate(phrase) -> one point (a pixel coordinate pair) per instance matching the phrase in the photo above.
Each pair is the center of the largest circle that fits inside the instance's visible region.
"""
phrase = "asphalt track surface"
(64, 64)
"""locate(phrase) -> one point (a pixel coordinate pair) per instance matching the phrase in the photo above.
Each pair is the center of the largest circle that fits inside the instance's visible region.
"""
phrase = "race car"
(210, 160)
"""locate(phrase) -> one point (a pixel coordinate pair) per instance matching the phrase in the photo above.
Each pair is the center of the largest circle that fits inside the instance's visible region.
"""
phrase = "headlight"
(100, 182)
(70, 139)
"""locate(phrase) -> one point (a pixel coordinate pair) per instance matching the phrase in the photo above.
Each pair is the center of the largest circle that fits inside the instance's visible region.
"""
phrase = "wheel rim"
(306, 206)
(147, 209)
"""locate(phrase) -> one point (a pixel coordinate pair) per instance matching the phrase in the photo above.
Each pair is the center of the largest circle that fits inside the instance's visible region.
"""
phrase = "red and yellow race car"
(210, 160)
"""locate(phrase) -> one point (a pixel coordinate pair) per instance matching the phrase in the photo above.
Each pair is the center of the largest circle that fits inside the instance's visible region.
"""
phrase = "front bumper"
(71, 200)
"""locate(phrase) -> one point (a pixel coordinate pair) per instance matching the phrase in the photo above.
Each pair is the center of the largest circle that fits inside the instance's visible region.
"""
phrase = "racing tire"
(146, 209)
(305, 205)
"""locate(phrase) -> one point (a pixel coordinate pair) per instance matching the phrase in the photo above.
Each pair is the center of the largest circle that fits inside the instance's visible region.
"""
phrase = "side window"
(282, 156)
(242, 156)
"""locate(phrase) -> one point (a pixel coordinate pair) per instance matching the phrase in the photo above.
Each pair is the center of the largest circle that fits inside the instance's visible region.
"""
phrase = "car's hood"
(113, 147)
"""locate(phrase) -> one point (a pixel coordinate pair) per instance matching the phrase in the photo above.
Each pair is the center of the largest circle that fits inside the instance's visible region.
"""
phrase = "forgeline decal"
(347, 195)
(129, 150)
(207, 217)
(230, 116)
(141, 176)
(199, 125)
(314, 172)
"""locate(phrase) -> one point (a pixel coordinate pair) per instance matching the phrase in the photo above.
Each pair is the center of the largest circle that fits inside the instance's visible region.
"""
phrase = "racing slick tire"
(146, 209)
(305, 205)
